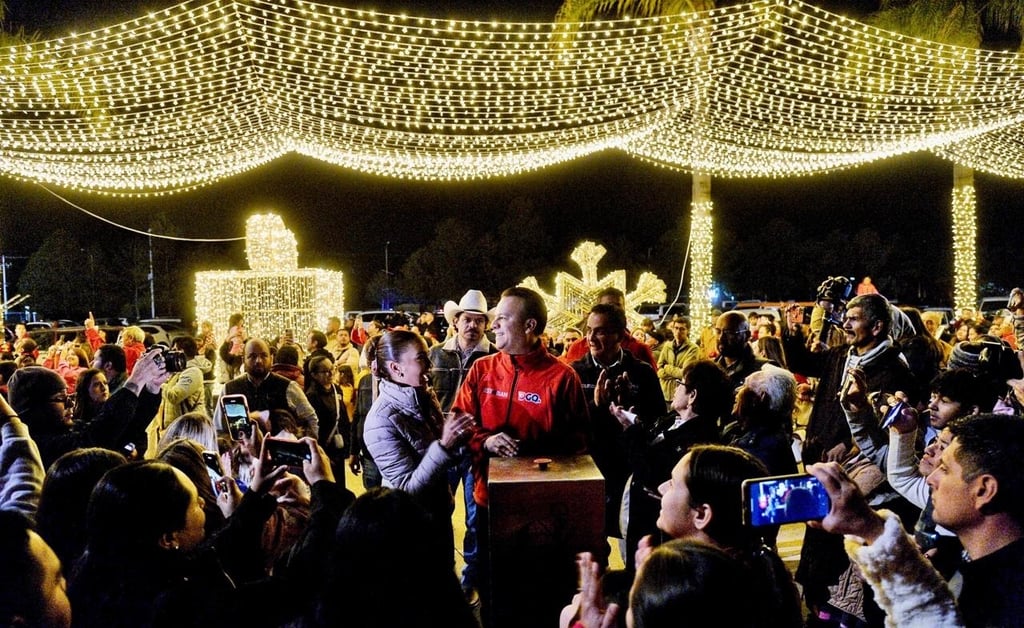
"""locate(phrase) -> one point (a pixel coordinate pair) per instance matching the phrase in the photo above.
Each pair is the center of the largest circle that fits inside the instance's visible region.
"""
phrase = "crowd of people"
(131, 494)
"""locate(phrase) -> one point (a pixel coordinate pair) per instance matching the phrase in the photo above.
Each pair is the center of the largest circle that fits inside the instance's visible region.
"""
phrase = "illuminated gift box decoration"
(574, 296)
(275, 294)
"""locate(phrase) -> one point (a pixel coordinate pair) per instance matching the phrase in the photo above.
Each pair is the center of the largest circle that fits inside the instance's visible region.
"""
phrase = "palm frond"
(945, 21)
(590, 10)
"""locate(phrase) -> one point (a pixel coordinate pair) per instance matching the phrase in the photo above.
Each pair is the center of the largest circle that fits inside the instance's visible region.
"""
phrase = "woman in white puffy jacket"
(408, 436)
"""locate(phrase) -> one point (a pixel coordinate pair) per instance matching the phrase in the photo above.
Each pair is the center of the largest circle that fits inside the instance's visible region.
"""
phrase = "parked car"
(165, 332)
(46, 338)
(993, 306)
(384, 315)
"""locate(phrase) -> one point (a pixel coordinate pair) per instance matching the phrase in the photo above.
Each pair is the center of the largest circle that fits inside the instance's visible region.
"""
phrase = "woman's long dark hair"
(186, 456)
(69, 482)
(130, 510)
(84, 408)
(715, 476)
(686, 581)
(385, 543)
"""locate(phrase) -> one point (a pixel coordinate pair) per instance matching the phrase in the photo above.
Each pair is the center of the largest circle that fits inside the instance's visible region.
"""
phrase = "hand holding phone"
(894, 413)
(287, 453)
(849, 512)
(235, 409)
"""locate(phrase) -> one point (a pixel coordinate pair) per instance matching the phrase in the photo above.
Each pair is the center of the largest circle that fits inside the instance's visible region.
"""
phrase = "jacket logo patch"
(529, 397)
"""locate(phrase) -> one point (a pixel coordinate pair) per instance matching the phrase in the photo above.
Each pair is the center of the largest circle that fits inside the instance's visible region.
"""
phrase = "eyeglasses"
(680, 383)
(60, 398)
(728, 332)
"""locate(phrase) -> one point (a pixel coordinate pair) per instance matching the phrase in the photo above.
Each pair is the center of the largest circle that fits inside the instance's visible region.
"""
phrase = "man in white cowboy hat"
(450, 362)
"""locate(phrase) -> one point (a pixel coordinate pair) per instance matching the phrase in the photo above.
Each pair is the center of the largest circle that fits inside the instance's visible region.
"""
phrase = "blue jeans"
(463, 473)
(370, 472)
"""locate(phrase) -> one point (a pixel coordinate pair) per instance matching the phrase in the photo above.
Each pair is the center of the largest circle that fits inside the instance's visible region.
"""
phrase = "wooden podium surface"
(539, 521)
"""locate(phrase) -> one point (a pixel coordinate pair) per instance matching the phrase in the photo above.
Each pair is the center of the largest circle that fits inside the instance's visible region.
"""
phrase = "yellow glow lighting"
(574, 296)
(204, 90)
(276, 294)
(965, 270)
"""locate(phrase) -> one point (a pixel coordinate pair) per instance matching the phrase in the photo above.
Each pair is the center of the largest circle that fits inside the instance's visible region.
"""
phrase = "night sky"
(342, 219)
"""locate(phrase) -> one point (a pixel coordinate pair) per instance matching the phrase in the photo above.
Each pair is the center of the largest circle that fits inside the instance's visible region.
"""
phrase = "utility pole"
(152, 292)
(386, 303)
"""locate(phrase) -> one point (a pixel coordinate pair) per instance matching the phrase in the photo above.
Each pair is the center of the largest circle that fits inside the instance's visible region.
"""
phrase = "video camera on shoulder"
(832, 296)
(174, 361)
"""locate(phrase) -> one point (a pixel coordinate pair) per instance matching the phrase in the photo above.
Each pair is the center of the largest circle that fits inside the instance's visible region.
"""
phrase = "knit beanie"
(31, 385)
(965, 356)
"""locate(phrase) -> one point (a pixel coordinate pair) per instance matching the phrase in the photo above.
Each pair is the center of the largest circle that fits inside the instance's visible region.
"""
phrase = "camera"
(834, 290)
(174, 361)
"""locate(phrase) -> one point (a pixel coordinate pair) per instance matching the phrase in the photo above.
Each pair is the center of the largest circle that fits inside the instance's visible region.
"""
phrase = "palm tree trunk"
(701, 248)
(965, 239)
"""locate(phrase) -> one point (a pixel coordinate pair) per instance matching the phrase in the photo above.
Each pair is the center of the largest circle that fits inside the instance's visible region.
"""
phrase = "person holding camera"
(39, 397)
(183, 392)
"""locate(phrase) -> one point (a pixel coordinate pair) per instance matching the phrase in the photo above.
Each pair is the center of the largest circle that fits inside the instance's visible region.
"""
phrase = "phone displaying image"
(893, 414)
(235, 409)
(784, 499)
(287, 453)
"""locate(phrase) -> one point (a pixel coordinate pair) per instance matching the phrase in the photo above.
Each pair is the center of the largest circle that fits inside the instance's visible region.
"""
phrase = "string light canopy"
(574, 296)
(204, 90)
(275, 294)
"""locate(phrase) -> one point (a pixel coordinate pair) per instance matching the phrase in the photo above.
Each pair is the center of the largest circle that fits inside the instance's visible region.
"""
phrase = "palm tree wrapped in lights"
(966, 23)
(701, 235)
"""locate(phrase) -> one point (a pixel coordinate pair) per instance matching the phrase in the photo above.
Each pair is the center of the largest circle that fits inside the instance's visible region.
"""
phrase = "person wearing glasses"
(335, 425)
(735, 355)
(39, 398)
(702, 398)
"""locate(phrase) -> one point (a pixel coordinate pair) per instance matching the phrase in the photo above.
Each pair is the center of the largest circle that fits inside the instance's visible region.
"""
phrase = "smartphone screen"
(287, 453)
(236, 415)
(784, 499)
(893, 414)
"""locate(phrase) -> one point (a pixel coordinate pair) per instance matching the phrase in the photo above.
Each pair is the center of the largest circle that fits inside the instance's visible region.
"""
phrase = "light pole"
(385, 303)
(152, 292)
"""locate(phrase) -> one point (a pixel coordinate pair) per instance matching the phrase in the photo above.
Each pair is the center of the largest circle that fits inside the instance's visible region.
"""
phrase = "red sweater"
(531, 397)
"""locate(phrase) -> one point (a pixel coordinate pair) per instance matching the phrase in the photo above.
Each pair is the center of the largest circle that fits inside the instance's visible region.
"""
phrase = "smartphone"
(893, 414)
(212, 460)
(287, 453)
(235, 409)
(784, 499)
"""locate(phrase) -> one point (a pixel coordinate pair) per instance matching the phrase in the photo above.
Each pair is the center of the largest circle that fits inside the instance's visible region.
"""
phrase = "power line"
(127, 228)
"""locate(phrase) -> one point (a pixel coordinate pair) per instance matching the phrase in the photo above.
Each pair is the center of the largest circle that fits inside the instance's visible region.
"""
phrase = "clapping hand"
(593, 613)
(457, 430)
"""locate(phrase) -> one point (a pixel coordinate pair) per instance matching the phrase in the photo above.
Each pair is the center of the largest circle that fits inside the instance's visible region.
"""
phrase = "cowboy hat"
(473, 301)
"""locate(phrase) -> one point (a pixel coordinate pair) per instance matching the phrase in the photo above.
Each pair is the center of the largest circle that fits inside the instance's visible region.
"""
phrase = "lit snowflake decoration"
(574, 296)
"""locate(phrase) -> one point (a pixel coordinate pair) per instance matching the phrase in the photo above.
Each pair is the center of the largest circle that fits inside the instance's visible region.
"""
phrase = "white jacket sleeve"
(906, 585)
(902, 469)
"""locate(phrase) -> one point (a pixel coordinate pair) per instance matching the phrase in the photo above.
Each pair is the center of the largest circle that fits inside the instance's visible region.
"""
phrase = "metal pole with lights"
(385, 303)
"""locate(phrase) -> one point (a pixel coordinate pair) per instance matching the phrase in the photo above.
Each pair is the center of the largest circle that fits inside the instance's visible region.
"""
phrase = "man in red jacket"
(525, 401)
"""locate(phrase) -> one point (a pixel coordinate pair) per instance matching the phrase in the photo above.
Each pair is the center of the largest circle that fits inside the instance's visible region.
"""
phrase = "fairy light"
(204, 90)
(965, 270)
(701, 248)
(574, 296)
(275, 294)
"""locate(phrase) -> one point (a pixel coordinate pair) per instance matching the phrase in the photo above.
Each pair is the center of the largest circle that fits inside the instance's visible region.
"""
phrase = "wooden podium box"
(539, 521)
